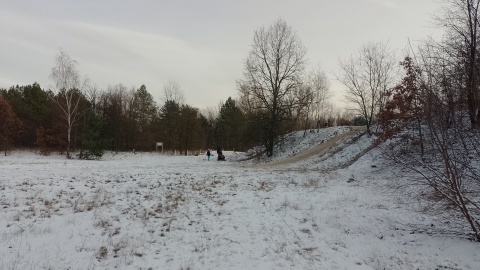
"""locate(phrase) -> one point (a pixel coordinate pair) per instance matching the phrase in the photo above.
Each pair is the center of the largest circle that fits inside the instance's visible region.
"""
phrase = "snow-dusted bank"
(147, 211)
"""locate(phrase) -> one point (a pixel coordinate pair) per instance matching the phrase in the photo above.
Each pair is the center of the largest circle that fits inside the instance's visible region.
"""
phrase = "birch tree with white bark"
(69, 92)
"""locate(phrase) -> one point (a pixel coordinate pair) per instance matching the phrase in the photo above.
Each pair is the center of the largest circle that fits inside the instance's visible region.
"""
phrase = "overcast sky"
(201, 45)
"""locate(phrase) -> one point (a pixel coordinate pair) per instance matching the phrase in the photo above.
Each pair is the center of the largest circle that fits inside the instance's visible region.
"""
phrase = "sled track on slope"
(352, 160)
(325, 149)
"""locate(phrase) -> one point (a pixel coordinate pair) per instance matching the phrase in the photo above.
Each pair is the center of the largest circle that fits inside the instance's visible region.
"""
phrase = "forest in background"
(121, 119)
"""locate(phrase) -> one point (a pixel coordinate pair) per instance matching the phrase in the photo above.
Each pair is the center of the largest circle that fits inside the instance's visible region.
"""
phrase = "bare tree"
(173, 92)
(69, 91)
(273, 75)
(247, 102)
(344, 117)
(368, 76)
(92, 94)
(113, 104)
(318, 82)
(461, 20)
(211, 119)
(448, 173)
(444, 163)
(452, 149)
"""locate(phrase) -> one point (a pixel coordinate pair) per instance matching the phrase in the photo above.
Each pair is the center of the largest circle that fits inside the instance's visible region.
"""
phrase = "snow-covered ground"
(148, 211)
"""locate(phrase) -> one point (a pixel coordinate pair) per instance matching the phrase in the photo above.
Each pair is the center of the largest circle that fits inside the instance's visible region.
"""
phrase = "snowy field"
(148, 211)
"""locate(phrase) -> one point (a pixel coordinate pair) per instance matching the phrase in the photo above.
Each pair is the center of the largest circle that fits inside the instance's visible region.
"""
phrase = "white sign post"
(159, 144)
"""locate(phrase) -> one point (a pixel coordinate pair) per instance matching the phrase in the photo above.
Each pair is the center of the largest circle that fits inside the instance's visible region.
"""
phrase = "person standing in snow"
(208, 154)
(219, 153)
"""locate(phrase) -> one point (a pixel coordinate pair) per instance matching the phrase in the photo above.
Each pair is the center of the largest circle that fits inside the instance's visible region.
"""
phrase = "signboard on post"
(159, 144)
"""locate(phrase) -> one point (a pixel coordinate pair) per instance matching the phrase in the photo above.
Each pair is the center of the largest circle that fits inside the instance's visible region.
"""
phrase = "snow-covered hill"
(334, 210)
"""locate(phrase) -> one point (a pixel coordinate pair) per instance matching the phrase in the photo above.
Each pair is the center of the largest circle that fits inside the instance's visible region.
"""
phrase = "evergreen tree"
(93, 144)
(34, 107)
(231, 125)
(143, 113)
(190, 131)
(170, 121)
(10, 124)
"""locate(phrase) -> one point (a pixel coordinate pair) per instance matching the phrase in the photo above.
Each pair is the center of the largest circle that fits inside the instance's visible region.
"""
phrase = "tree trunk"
(69, 130)
(5, 142)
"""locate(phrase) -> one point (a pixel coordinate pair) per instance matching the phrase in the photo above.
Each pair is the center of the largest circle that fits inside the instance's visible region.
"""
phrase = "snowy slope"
(147, 211)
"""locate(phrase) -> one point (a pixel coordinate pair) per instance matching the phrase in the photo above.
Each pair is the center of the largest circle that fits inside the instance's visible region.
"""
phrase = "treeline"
(75, 115)
(121, 119)
(117, 119)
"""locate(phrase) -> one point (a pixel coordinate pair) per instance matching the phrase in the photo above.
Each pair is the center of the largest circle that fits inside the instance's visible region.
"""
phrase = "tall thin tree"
(69, 94)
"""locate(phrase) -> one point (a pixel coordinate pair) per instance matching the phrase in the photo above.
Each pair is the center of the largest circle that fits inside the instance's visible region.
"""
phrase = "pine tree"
(10, 124)
(93, 145)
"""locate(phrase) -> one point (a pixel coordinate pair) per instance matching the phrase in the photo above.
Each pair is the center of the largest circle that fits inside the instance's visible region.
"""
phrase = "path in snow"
(318, 149)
